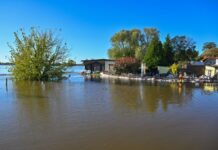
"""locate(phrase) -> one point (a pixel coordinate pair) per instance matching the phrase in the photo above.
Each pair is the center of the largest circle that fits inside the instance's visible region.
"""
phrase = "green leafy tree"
(38, 56)
(184, 49)
(70, 62)
(209, 45)
(150, 33)
(153, 54)
(167, 52)
(126, 43)
(131, 43)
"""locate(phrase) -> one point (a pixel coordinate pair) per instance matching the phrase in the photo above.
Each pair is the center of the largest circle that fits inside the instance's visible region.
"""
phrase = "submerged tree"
(38, 56)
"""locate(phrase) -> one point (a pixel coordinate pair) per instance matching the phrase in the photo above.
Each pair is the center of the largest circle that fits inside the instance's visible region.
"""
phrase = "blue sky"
(87, 25)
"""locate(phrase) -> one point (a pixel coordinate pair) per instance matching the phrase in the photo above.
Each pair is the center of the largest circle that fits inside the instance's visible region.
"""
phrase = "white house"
(211, 66)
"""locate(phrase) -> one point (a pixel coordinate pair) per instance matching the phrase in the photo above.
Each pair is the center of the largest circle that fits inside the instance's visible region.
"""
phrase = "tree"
(131, 43)
(125, 44)
(174, 68)
(213, 52)
(183, 48)
(167, 52)
(153, 54)
(37, 56)
(209, 45)
(70, 62)
(150, 33)
(127, 65)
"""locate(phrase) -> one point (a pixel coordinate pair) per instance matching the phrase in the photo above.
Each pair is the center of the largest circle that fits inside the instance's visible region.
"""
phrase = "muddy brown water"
(79, 114)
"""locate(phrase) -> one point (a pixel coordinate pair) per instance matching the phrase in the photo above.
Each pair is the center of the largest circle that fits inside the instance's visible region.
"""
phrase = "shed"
(101, 65)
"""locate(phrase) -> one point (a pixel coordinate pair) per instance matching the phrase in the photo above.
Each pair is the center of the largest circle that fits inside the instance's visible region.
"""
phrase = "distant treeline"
(6, 63)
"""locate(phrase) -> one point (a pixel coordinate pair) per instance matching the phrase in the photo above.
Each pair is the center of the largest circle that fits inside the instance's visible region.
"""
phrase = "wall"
(107, 64)
(190, 70)
(210, 71)
(163, 69)
(216, 62)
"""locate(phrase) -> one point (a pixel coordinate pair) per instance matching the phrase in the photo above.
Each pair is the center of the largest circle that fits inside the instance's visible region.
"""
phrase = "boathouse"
(99, 65)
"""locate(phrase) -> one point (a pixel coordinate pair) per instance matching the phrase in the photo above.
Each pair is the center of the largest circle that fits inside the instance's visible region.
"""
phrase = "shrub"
(127, 65)
(38, 56)
(173, 68)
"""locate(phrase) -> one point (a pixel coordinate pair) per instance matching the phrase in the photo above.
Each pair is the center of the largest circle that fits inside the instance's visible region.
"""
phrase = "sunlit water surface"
(80, 114)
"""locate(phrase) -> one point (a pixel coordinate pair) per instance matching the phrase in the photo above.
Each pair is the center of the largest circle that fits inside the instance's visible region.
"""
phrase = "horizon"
(88, 26)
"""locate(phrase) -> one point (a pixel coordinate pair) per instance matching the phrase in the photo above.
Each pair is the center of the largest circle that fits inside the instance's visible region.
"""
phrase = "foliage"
(209, 45)
(167, 52)
(153, 54)
(184, 49)
(174, 68)
(125, 43)
(37, 56)
(127, 65)
(131, 43)
(150, 33)
(146, 47)
(213, 52)
(70, 62)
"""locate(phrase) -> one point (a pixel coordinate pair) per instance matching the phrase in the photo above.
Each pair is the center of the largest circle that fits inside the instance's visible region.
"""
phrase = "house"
(210, 59)
(208, 65)
(99, 65)
(211, 68)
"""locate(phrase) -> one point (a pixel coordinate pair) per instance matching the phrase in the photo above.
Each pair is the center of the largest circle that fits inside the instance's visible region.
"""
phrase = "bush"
(38, 56)
(173, 69)
(127, 65)
(70, 63)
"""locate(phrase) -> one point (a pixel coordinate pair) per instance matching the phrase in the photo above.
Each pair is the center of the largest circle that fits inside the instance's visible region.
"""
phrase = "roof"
(94, 60)
(197, 63)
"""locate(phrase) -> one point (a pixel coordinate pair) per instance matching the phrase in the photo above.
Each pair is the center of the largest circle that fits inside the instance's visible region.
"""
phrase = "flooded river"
(80, 114)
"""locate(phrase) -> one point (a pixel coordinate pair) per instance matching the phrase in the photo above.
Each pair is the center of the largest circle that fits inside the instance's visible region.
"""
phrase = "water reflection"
(32, 99)
(106, 114)
(137, 96)
(148, 96)
(209, 88)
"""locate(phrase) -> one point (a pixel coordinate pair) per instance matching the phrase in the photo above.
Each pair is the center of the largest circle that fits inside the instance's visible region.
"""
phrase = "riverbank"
(158, 79)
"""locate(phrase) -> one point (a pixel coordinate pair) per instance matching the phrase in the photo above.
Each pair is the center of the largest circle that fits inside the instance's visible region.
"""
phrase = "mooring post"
(6, 84)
